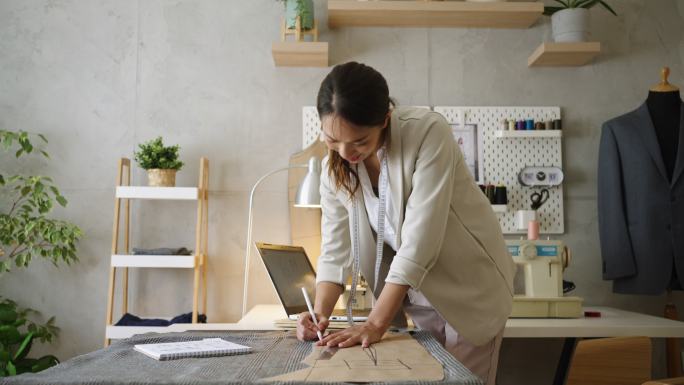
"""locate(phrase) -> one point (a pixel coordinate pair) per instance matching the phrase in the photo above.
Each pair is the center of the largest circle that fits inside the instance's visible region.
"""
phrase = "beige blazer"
(450, 245)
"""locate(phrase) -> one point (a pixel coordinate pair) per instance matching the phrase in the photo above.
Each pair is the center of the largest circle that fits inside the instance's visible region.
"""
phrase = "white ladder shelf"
(122, 259)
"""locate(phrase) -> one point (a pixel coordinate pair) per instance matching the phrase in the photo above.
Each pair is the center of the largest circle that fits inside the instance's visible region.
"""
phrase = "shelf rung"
(118, 332)
(145, 192)
(163, 261)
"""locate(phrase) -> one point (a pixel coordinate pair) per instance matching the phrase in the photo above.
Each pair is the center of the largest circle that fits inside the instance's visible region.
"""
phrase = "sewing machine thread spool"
(557, 124)
(489, 192)
(533, 230)
(529, 124)
(500, 195)
(511, 125)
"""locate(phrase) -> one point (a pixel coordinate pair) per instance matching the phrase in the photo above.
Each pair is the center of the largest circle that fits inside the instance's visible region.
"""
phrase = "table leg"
(564, 361)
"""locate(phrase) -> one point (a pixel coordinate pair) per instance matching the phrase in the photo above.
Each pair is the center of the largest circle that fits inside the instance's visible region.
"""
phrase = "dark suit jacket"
(641, 213)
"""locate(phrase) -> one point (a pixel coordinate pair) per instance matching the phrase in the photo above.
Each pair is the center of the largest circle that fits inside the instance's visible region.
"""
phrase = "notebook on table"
(208, 347)
(290, 270)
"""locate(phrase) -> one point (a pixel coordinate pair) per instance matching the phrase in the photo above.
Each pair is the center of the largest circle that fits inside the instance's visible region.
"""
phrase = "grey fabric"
(275, 352)
(162, 251)
(641, 213)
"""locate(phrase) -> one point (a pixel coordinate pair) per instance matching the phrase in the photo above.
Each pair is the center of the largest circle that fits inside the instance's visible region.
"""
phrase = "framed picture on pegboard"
(470, 140)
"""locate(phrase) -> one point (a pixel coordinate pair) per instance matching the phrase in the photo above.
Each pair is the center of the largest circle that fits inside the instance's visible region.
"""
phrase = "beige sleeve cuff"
(403, 271)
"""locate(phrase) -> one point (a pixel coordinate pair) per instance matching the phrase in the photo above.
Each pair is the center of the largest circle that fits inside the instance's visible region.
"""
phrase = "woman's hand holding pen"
(370, 332)
(307, 330)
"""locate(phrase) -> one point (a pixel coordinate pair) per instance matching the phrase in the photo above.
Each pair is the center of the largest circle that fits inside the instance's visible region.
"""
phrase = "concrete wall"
(98, 77)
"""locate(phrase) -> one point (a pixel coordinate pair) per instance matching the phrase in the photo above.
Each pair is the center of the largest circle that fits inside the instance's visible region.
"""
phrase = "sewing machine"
(543, 263)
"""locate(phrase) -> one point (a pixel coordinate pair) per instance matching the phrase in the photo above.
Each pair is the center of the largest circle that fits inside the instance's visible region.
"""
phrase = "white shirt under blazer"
(449, 241)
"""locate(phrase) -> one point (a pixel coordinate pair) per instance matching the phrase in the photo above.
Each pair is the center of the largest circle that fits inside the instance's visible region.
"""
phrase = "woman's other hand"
(364, 334)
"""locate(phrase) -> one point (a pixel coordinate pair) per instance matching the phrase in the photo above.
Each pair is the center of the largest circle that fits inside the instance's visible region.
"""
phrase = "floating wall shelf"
(387, 13)
(300, 54)
(564, 54)
(500, 208)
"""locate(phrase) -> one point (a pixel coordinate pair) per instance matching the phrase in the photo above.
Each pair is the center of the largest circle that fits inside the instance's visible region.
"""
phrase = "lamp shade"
(308, 193)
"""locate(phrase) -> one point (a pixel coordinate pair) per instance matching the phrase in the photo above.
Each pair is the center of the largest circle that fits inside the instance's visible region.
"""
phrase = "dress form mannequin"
(664, 104)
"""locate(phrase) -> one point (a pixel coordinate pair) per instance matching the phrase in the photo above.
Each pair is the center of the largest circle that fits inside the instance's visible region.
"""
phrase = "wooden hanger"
(664, 86)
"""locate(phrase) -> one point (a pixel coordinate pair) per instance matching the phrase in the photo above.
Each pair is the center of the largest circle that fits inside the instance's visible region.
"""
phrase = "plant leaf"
(44, 363)
(62, 201)
(43, 137)
(11, 369)
(548, 11)
(606, 6)
(20, 352)
(586, 3)
(7, 315)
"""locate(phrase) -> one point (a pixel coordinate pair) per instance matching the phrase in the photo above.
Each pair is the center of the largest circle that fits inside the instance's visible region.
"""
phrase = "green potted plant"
(161, 162)
(27, 231)
(17, 334)
(570, 19)
(302, 8)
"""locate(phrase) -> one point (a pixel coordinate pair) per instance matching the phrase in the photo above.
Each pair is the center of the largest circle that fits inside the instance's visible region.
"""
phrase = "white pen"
(313, 315)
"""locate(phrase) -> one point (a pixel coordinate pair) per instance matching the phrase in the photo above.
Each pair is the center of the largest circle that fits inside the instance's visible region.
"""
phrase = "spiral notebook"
(208, 347)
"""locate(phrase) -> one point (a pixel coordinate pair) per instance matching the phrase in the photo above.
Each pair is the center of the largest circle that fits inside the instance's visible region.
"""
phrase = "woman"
(437, 251)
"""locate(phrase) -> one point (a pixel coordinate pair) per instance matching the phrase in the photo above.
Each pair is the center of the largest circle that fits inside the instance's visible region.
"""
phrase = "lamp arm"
(248, 246)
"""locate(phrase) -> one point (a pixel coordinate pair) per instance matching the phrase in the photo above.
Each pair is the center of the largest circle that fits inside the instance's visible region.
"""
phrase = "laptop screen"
(289, 269)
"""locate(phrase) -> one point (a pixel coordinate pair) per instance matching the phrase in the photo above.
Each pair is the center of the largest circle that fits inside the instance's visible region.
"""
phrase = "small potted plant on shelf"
(160, 162)
(570, 19)
(302, 8)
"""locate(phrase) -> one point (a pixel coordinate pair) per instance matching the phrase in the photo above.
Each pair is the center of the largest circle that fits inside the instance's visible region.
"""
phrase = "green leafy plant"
(153, 154)
(300, 4)
(17, 334)
(567, 4)
(26, 232)
(301, 8)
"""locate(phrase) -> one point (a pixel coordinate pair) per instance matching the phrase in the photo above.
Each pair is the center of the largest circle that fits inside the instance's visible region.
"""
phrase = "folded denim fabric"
(129, 319)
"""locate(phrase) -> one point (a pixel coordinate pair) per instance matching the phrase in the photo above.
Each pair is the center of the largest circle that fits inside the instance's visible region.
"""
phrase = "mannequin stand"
(672, 346)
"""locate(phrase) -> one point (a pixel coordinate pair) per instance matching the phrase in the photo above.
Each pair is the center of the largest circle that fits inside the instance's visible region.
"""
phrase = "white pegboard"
(503, 157)
(311, 126)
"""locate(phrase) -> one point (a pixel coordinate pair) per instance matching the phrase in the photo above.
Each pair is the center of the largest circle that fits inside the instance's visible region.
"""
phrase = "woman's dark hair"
(358, 94)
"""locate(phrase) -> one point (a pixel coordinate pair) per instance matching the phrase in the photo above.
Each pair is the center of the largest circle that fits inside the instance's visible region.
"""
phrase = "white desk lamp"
(308, 195)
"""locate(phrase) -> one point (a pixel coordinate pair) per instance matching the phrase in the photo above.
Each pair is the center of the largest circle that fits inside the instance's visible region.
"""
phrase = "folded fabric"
(129, 319)
(162, 251)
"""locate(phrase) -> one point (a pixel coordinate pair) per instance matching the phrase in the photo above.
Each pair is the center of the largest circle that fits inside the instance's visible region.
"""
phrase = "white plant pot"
(570, 25)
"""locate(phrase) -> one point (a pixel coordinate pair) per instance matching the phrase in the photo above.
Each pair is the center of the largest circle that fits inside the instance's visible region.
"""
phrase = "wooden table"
(612, 323)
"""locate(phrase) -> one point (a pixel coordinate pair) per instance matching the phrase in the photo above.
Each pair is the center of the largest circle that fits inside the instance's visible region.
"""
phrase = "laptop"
(290, 269)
